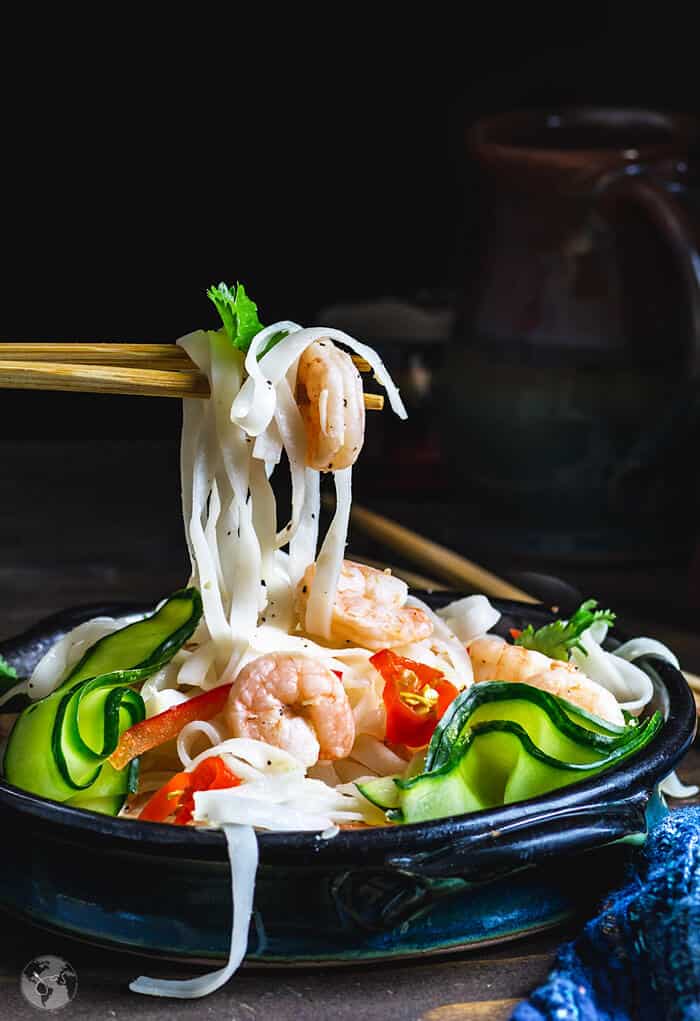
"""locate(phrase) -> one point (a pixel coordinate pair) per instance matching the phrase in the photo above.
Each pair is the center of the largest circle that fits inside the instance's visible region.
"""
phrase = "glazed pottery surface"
(576, 346)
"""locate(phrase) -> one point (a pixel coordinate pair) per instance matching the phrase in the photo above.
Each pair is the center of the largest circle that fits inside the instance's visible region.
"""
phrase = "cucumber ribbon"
(502, 742)
(59, 745)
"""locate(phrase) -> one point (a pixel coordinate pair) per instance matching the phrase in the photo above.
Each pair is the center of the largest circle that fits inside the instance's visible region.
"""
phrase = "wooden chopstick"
(146, 370)
(151, 356)
(413, 580)
(440, 561)
(451, 567)
(102, 379)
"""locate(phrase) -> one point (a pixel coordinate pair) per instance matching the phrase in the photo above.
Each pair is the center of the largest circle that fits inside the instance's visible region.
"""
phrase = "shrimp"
(369, 608)
(295, 703)
(331, 401)
(496, 660)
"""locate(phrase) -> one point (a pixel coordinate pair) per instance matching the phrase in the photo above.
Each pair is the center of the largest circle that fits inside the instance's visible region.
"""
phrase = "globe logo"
(48, 983)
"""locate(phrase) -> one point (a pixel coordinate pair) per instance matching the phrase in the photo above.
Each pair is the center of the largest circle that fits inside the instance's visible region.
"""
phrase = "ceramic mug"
(571, 397)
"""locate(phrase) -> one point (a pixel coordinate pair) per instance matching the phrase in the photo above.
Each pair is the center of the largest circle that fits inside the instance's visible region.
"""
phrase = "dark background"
(318, 160)
(314, 159)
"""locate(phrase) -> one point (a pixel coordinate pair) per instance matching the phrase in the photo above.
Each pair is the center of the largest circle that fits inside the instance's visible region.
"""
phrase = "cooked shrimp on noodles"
(295, 703)
(493, 659)
(331, 401)
(368, 609)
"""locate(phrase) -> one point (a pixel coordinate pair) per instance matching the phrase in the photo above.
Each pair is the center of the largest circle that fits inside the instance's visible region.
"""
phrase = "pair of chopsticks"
(450, 567)
(144, 370)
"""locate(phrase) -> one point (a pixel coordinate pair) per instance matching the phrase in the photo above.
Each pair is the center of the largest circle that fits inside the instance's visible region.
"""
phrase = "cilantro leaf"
(238, 312)
(7, 672)
(556, 639)
(8, 676)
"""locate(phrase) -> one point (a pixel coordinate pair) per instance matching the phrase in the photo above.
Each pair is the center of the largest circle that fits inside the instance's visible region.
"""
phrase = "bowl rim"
(640, 773)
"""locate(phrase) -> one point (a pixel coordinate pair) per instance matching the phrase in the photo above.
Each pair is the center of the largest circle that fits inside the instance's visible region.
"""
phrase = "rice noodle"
(276, 792)
(303, 543)
(631, 686)
(67, 651)
(263, 757)
(291, 430)
(163, 700)
(242, 845)
(254, 405)
(470, 617)
(189, 733)
(375, 755)
(196, 345)
(274, 588)
(673, 787)
(368, 710)
(197, 668)
(459, 669)
(268, 447)
(319, 609)
(637, 647)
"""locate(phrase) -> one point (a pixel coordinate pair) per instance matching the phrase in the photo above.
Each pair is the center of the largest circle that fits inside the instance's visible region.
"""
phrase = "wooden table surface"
(86, 522)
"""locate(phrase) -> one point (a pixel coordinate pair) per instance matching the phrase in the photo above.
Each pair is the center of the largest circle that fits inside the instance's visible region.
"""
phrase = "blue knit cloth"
(639, 959)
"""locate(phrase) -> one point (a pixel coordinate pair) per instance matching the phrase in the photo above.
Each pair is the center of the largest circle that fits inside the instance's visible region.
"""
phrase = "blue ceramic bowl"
(363, 895)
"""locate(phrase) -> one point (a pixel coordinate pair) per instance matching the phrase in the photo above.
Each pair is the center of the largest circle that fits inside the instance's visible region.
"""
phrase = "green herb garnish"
(239, 314)
(558, 638)
(8, 676)
(7, 672)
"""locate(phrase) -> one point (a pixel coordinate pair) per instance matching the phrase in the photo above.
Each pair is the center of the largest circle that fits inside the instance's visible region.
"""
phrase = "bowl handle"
(406, 886)
(530, 841)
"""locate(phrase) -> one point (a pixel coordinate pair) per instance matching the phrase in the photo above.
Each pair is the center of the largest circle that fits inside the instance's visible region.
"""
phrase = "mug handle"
(648, 187)
(637, 183)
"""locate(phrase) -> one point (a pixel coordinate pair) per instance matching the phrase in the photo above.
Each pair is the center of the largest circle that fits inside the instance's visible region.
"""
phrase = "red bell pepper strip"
(176, 797)
(166, 725)
(415, 696)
